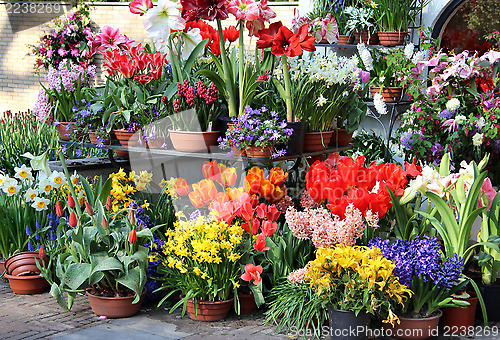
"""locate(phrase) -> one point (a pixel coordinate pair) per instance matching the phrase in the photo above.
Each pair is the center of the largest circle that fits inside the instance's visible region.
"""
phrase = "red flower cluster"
(209, 95)
(134, 61)
(283, 41)
(342, 180)
(208, 32)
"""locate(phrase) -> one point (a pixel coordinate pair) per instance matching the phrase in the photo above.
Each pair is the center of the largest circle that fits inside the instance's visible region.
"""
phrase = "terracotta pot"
(64, 131)
(156, 143)
(410, 328)
(259, 152)
(238, 152)
(123, 137)
(209, 311)
(247, 303)
(458, 320)
(340, 137)
(390, 94)
(345, 39)
(93, 139)
(2, 266)
(23, 259)
(27, 269)
(114, 307)
(190, 141)
(368, 39)
(316, 141)
(391, 38)
(27, 284)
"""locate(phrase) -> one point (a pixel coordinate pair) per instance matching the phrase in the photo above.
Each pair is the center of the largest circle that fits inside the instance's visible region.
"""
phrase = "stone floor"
(40, 317)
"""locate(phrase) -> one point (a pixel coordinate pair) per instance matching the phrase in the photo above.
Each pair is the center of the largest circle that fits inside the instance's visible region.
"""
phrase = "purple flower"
(437, 150)
(407, 140)
(446, 114)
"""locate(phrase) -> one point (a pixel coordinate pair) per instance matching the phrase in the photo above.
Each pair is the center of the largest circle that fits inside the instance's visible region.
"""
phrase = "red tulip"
(269, 228)
(273, 213)
(251, 227)
(88, 208)
(41, 253)
(73, 221)
(71, 201)
(252, 273)
(105, 224)
(261, 210)
(260, 244)
(132, 237)
(59, 209)
(246, 211)
(109, 205)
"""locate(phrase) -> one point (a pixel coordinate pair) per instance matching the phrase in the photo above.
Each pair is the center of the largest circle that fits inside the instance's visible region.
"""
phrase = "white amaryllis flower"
(23, 172)
(30, 195)
(409, 49)
(477, 139)
(40, 203)
(191, 40)
(11, 188)
(379, 104)
(453, 104)
(366, 57)
(162, 18)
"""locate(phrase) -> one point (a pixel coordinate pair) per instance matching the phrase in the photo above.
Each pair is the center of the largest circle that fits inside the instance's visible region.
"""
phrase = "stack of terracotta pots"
(23, 274)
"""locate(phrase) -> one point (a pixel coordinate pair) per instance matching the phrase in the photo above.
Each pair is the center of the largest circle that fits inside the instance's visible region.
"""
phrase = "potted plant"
(323, 8)
(257, 132)
(104, 255)
(201, 263)
(360, 22)
(392, 19)
(334, 270)
(390, 70)
(322, 26)
(433, 279)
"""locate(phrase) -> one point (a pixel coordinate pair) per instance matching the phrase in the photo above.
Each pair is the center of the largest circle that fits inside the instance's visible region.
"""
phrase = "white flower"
(453, 104)
(30, 195)
(12, 187)
(409, 48)
(381, 80)
(366, 57)
(481, 122)
(419, 56)
(379, 104)
(460, 119)
(4, 180)
(191, 40)
(45, 186)
(162, 18)
(57, 179)
(321, 100)
(39, 162)
(74, 178)
(40, 203)
(23, 172)
(477, 139)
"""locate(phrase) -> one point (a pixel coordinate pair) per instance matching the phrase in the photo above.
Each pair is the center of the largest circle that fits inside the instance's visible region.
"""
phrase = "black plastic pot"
(295, 145)
(345, 325)
(491, 297)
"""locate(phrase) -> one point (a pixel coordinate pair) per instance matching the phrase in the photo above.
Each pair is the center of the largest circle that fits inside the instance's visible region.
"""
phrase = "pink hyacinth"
(299, 275)
(42, 106)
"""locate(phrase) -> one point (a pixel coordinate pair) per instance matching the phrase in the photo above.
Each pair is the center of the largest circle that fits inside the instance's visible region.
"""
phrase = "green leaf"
(76, 274)
(188, 64)
(89, 193)
(257, 293)
(105, 191)
(57, 294)
(106, 264)
(131, 280)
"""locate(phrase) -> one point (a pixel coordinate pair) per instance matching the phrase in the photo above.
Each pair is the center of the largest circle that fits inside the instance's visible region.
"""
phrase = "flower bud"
(72, 219)
(59, 209)
(41, 253)
(105, 224)
(109, 205)
(131, 217)
(71, 201)
(132, 237)
(88, 208)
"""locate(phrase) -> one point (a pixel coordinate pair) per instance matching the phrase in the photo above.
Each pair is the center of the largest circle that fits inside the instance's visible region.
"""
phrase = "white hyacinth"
(409, 48)
(366, 57)
(481, 122)
(379, 104)
(418, 56)
(453, 104)
(477, 139)
(460, 119)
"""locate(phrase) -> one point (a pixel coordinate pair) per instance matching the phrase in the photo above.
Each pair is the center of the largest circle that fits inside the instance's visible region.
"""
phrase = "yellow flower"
(197, 271)
(145, 205)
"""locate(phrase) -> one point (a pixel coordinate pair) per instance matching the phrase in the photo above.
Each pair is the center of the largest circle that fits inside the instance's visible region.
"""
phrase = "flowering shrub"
(259, 128)
(459, 113)
(420, 266)
(345, 276)
(67, 40)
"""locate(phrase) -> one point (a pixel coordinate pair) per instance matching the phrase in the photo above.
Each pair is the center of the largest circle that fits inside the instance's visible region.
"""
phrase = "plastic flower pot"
(247, 303)
(190, 141)
(317, 141)
(344, 325)
(27, 284)
(295, 144)
(114, 307)
(412, 328)
(491, 297)
(208, 311)
(457, 319)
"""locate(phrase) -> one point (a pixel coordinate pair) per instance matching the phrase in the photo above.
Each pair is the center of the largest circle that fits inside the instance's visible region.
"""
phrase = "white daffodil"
(40, 203)
(191, 40)
(162, 18)
(12, 187)
(23, 172)
(57, 178)
(45, 186)
(74, 178)
(4, 180)
(321, 100)
(30, 195)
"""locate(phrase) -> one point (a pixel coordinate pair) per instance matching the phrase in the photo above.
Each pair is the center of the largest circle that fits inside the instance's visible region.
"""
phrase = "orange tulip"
(71, 201)
(221, 197)
(276, 195)
(196, 200)
(181, 187)
(73, 221)
(266, 189)
(252, 184)
(59, 209)
(212, 170)
(207, 190)
(234, 193)
(277, 176)
(257, 172)
(228, 176)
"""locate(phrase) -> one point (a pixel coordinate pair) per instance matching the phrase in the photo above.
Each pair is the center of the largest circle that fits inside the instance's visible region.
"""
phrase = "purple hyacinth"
(447, 114)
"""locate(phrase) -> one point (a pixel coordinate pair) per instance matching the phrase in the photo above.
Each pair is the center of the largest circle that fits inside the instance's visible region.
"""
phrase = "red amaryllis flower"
(231, 33)
(204, 9)
(143, 78)
(260, 244)
(291, 45)
(132, 237)
(412, 170)
(252, 272)
(266, 36)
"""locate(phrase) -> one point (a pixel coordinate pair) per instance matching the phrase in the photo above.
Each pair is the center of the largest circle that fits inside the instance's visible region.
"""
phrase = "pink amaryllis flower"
(247, 10)
(265, 14)
(329, 29)
(140, 6)
(452, 125)
(110, 38)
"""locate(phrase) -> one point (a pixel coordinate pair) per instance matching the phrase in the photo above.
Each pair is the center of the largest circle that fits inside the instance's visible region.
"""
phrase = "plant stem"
(70, 184)
(227, 75)
(288, 91)
(241, 66)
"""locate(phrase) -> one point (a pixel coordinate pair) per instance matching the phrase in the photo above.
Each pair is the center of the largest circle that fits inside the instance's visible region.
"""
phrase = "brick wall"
(19, 27)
